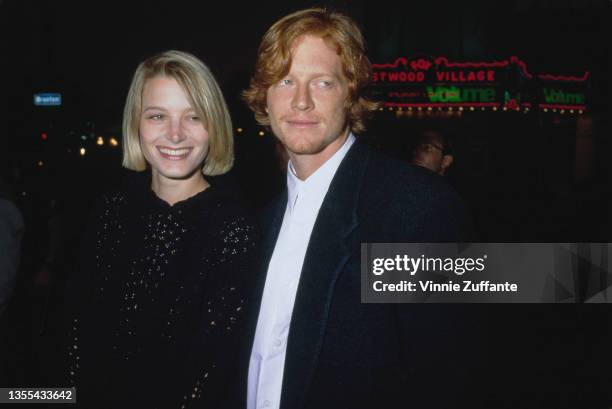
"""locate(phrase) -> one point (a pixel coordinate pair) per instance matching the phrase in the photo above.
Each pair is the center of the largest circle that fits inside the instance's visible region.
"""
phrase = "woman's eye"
(156, 117)
(285, 81)
(194, 118)
(325, 83)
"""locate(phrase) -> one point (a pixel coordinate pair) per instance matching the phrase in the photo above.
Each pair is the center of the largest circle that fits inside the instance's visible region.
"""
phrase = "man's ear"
(447, 161)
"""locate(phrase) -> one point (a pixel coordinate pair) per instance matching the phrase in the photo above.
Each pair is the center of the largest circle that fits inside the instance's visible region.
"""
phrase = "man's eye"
(325, 83)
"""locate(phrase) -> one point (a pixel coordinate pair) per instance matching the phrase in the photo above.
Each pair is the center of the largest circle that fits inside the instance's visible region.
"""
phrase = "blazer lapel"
(327, 253)
(271, 222)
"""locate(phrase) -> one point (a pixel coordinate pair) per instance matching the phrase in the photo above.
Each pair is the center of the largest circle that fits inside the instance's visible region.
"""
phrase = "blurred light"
(562, 111)
(580, 112)
(482, 108)
(410, 109)
(82, 151)
(461, 109)
(390, 108)
(571, 111)
(471, 108)
(239, 130)
(505, 108)
(113, 142)
(100, 141)
(545, 109)
(261, 133)
(450, 109)
(380, 109)
(83, 137)
(429, 108)
(494, 108)
(40, 163)
(44, 136)
(23, 193)
(420, 108)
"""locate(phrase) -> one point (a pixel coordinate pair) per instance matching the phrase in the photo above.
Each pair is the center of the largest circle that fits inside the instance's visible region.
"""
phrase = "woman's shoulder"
(128, 186)
(231, 214)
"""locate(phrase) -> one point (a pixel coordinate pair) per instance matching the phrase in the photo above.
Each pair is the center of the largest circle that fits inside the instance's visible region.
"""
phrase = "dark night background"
(525, 177)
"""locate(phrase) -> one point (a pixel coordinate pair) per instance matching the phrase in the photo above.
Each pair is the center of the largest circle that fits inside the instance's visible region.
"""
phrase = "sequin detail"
(162, 271)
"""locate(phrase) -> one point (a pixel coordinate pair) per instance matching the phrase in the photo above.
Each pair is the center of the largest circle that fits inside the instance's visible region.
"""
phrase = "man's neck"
(306, 165)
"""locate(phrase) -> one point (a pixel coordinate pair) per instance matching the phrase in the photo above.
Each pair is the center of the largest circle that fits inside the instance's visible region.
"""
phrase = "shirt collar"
(319, 181)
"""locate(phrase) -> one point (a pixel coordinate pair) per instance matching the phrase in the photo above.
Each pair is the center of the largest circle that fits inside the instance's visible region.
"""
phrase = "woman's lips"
(174, 154)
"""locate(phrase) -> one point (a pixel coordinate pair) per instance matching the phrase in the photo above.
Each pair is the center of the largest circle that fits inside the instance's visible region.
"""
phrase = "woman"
(165, 266)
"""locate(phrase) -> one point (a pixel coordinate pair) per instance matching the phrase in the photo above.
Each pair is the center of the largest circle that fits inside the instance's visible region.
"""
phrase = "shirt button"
(278, 343)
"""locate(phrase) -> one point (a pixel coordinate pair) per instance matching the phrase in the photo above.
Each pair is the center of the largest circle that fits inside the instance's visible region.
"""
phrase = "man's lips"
(173, 153)
(302, 123)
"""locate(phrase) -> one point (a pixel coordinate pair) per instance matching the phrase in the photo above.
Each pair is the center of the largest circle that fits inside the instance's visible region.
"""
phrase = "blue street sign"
(48, 99)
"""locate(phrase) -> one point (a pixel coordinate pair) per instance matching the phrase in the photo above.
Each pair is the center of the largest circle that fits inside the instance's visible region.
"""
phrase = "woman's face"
(173, 138)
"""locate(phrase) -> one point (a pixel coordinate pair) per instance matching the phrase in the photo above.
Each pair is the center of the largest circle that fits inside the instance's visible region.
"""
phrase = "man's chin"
(304, 148)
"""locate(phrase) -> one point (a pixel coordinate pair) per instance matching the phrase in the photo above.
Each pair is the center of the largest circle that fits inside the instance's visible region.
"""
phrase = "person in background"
(11, 232)
(166, 261)
(433, 150)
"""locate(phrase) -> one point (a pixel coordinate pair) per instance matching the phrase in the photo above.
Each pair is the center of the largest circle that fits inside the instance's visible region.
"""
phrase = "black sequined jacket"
(158, 300)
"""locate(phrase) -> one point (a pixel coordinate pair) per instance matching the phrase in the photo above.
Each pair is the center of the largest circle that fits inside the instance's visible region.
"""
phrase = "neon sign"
(556, 96)
(454, 94)
(508, 84)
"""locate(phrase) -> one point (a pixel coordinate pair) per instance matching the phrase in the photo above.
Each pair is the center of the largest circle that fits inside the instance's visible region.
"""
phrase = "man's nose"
(302, 99)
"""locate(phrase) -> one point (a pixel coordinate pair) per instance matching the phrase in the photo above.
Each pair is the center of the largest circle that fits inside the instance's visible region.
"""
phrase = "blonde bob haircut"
(203, 94)
(340, 32)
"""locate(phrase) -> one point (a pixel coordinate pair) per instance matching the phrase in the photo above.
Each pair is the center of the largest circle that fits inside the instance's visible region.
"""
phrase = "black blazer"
(344, 354)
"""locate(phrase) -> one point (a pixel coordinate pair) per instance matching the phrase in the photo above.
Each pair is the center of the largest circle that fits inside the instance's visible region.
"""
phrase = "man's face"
(307, 107)
(429, 153)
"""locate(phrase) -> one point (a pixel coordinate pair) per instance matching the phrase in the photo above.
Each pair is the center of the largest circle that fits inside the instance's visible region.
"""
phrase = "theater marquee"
(498, 85)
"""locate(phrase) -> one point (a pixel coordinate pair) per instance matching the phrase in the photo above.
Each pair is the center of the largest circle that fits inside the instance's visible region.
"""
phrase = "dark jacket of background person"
(345, 354)
(11, 232)
(159, 299)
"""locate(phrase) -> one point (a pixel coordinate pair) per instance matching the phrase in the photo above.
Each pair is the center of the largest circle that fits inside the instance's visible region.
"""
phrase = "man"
(433, 151)
(314, 344)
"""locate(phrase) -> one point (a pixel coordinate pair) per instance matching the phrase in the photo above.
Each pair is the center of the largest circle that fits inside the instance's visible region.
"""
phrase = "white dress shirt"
(267, 361)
